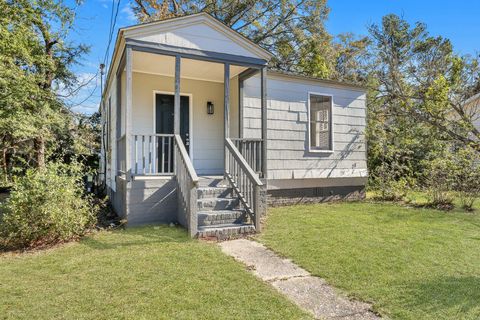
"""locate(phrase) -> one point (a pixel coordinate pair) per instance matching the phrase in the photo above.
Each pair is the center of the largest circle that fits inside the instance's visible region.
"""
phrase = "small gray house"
(197, 130)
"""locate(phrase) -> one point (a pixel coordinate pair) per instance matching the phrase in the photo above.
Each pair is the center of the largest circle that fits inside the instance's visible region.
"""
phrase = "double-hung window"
(320, 110)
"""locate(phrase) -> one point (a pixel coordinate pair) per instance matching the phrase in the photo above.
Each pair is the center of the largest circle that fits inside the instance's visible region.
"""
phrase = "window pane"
(320, 127)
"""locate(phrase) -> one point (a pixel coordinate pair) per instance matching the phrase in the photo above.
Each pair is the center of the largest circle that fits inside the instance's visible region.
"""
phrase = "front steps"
(219, 212)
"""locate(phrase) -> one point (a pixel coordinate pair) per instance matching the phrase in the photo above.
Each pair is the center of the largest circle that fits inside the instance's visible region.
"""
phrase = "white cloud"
(86, 96)
(128, 13)
(105, 3)
(88, 79)
(88, 107)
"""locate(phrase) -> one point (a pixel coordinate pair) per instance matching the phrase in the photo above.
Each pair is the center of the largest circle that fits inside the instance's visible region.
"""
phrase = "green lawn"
(420, 199)
(410, 263)
(145, 273)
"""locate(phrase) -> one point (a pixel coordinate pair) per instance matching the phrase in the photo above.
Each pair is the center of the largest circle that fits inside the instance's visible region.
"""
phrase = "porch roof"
(192, 53)
(199, 31)
(186, 32)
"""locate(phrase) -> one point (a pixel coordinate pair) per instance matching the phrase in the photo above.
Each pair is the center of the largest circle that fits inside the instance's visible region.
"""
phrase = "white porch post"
(176, 116)
(226, 97)
(240, 107)
(263, 89)
(128, 113)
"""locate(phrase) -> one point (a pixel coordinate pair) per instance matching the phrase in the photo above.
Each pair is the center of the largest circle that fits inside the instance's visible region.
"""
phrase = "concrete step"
(225, 230)
(212, 181)
(214, 192)
(217, 203)
(220, 217)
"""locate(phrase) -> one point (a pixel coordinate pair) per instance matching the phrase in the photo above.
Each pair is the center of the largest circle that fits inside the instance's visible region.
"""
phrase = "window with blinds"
(320, 122)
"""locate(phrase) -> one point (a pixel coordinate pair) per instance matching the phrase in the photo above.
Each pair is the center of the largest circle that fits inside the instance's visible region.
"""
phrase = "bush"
(390, 186)
(45, 207)
(466, 180)
(439, 178)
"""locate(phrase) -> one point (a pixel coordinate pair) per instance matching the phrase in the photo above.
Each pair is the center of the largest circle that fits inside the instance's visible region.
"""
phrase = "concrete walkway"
(309, 292)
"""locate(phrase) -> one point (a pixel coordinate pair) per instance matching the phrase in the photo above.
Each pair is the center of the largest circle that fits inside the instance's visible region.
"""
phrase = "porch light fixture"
(210, 108)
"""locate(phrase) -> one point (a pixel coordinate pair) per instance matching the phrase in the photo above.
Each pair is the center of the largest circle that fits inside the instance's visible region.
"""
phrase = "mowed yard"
(410, 263)
(139, 273)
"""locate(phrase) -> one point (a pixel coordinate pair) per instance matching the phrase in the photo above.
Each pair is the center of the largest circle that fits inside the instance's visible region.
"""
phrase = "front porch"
(181, 117)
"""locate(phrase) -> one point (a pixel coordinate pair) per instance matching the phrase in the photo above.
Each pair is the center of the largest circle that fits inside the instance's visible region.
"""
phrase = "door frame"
(190, 117)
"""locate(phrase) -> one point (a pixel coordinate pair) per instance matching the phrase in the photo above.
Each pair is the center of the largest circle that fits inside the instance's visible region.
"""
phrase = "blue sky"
(457, 20)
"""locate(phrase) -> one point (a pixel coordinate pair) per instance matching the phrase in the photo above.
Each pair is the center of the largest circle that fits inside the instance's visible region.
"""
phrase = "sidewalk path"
(310, 293)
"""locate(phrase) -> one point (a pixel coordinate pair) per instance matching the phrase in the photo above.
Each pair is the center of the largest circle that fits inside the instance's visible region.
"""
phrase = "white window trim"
(309, 144)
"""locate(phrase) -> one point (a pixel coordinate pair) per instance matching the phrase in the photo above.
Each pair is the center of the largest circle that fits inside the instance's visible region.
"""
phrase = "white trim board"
(332, 131)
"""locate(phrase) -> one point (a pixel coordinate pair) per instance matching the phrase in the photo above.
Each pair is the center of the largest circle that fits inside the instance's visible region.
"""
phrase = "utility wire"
(113, 23)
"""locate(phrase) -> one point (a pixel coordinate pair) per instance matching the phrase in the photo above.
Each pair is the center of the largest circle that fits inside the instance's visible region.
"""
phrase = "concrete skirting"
(146, 200)
(151, 201)
(281, 197)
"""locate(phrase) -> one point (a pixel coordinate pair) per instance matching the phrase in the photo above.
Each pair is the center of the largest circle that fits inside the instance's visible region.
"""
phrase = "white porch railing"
(251, 150)
(153, 154)
(187, 181)
(244, 181)
(121, 165)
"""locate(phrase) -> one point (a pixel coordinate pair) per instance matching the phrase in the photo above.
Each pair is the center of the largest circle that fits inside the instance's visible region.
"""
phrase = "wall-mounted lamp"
(210, 108)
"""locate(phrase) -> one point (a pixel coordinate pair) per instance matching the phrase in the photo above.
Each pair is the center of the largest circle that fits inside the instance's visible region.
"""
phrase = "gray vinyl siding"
(288, 141)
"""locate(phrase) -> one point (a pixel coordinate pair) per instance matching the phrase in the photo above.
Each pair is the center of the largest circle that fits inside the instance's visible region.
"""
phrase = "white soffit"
(189, 68)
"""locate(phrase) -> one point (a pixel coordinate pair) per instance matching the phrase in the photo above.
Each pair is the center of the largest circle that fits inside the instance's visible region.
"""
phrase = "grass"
(420, 199)
(410, 263)
(140, 273)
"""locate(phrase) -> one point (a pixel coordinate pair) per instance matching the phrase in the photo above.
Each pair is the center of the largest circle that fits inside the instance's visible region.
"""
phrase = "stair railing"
(187, 181)
(244, 181)
(251, 150)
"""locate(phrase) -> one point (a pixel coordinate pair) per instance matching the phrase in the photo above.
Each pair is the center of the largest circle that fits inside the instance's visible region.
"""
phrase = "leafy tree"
(35, 62)
(351, 59)
(294, 31)
(416, 108)
(420, 77)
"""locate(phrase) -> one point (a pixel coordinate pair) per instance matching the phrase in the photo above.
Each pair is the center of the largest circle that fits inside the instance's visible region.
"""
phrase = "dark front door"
(164, 114)
(164, 121)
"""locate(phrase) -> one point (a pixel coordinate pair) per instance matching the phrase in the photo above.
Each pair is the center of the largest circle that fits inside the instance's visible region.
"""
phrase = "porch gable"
(199, 32)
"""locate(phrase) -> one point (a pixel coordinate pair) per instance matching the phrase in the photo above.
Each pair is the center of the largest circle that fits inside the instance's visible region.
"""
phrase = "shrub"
(45, 207)
(390, 186)
(466, 180)
(439, 181)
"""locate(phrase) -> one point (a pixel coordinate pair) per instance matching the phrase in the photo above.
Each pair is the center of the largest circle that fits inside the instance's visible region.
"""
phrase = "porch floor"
(211, 181)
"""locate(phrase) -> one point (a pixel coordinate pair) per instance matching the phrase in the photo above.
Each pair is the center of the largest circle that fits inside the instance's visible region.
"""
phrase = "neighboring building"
(474, 104)
(172, 88)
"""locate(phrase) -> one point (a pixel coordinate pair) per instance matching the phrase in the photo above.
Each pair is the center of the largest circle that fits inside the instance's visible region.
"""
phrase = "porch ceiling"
(190, 69)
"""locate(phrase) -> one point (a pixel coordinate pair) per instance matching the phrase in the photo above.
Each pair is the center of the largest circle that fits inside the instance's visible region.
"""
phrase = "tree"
(421, 77)
(417, 89)
(351, 63)
(36, 60)
(294, 31)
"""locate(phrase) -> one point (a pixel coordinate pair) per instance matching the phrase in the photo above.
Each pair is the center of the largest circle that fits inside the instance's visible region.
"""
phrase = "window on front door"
(164, 116)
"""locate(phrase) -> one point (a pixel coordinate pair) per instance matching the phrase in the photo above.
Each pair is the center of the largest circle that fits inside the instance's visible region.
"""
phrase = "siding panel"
(288, 155)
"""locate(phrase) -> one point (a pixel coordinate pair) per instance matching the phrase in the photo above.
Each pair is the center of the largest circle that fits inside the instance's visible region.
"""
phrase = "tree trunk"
(40, 151)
